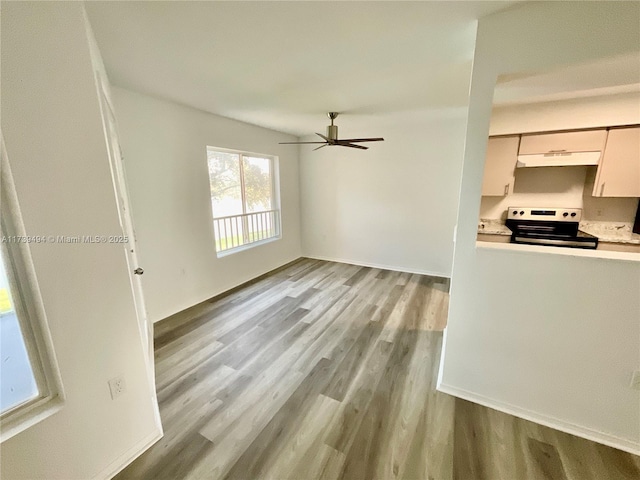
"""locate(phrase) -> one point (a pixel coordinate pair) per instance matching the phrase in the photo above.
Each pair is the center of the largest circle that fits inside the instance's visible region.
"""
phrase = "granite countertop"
(490, 226)
(608, 232)
(611, 232)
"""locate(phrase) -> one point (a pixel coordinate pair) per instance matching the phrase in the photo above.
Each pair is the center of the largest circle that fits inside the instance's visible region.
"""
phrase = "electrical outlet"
(599, 212)
(635, 380)
(117, 387)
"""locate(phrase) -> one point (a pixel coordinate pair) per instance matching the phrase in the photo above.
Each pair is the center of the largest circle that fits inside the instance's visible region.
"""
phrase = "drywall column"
(547, 337)
(56, 147)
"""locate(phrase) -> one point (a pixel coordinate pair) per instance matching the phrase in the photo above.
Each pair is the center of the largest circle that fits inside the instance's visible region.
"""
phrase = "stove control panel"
(545, 214)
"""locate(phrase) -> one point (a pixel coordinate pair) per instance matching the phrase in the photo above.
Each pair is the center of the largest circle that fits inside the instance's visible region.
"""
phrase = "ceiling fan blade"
(322, 136)
(352, 140)
(321, 146)
(296, 143)
(352, 145)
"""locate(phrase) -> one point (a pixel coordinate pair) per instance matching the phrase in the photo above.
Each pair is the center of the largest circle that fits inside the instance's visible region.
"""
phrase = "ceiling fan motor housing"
(332, 132)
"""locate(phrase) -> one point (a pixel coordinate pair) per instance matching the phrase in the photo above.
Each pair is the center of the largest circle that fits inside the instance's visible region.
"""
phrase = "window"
(243, 198)
(30, 388)
(18, 381)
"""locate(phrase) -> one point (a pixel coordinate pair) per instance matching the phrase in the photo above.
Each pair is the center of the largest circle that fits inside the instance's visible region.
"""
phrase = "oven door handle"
(536, 228)
(559, 243)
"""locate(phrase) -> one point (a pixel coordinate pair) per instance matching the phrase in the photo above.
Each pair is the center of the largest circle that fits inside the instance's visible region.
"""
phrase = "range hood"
(558, 159)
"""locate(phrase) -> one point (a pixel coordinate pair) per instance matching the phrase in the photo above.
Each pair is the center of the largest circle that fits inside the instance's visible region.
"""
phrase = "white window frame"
(275, 200)
(29, 309)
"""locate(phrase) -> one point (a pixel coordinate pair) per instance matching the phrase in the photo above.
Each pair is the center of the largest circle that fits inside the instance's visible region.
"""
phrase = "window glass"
(243, 198)
(18, 384)
(257, 184)
(226, 187)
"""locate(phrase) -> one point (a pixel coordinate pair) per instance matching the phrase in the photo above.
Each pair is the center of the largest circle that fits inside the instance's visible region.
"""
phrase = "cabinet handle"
(506, 189)
(602, 189)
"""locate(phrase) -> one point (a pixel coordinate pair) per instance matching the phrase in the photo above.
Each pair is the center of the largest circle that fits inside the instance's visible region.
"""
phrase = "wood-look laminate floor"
(323, 370)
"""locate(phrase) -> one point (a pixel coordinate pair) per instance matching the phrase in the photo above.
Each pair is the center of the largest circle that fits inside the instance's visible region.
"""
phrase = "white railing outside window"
(238, 230)
(244, 198)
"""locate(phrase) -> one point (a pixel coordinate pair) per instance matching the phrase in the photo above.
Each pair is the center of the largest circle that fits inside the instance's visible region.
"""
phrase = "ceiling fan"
(332, 138)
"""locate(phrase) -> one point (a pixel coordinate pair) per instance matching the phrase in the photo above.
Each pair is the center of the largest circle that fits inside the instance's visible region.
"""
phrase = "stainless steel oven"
(557, 227)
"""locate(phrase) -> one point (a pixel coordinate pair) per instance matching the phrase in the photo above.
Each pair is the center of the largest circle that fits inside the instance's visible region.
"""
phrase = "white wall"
(164, 146)
(56, 147)
(600, 111)
(547, 337)
(563, 186)
(392, 205)
(539, 187)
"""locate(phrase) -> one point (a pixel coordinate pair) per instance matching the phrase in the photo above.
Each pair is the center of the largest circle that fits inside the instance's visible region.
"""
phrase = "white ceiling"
(283, 65)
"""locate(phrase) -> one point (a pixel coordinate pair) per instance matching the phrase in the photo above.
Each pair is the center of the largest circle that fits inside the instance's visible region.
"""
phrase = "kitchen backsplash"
(553, 187)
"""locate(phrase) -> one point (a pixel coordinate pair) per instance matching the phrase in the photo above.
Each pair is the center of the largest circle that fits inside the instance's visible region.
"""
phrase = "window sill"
(248, 246)
(23, 420)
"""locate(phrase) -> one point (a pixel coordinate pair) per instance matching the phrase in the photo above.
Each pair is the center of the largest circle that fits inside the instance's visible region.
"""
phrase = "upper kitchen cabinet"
(500, 164)
(619, 170)
(584, 141)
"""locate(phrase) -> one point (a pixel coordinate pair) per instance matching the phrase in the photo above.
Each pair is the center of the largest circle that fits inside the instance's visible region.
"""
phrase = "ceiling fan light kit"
(331, 138)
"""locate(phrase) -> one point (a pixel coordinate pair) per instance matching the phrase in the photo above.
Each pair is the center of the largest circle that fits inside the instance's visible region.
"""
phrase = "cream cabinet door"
(500, 165)
(619, 169)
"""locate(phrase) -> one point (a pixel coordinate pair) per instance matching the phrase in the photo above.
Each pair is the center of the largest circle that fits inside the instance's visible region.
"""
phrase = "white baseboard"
(379, 265)
(551, 422)
(226, 288)
(129, 456)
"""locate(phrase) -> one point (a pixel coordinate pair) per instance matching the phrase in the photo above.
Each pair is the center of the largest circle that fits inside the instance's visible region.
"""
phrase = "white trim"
(379, 265)
(242, 152)
(443, 348)
(129, 456)
(546, 420)
(31, 314)
(31, 415)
